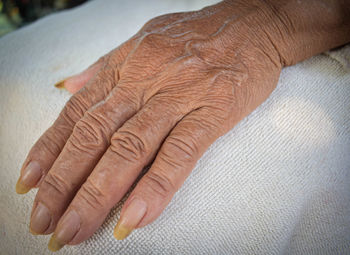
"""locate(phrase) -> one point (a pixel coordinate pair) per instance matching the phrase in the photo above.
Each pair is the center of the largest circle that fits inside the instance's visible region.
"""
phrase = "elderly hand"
(161, 98)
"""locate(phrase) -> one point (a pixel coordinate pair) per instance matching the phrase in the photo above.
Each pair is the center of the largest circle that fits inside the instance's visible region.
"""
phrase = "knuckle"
(90, 194)
(159, 183)
(98, 118)
(74, 109)
(106, 78)
(128, 145)
(55, 182)
(184, 149)
(88, 135)
(170, 160)
(212, 119)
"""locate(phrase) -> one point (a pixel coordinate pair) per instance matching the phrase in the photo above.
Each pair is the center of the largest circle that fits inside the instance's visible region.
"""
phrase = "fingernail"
(130, 219)
(28, 178)
(60, 84)
(54, 244)
(40, 220)
(65, 231)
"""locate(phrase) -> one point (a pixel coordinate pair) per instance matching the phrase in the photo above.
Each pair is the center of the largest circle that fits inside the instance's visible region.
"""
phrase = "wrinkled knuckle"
(181, 148)
(106, 74)
(106, 78)
(57, 183)
(74, 109)
(91, 195)
(159, 184)
(98, 119)
(88, 136)
(128, 145)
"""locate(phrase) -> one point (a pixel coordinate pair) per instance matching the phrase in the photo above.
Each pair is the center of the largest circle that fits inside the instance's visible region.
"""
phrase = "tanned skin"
(161, 99)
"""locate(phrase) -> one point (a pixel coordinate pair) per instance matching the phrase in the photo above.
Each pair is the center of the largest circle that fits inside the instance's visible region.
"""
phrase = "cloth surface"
(278, 183)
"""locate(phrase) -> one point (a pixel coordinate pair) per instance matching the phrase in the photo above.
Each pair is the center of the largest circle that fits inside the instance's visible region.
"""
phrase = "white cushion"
(279, 182)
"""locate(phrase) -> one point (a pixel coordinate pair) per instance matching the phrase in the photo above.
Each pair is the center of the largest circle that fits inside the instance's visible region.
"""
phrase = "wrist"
(249, 27)
(302, 29)
(296, 30)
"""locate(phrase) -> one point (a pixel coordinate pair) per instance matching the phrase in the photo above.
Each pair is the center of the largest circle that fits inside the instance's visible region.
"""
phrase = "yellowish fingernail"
(29, 177)
(54, 245)
(131, 217)
(60, 84)
(121, 232)
(65, 231)
(21, 188)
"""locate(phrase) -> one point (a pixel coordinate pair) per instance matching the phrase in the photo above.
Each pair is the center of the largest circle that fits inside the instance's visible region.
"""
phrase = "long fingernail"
(60, 84)
(28, 178)
(130, 219)
(40, 220)
(65, 231)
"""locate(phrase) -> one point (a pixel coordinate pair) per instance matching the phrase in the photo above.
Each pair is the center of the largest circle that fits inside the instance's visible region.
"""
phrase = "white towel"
(278, 183)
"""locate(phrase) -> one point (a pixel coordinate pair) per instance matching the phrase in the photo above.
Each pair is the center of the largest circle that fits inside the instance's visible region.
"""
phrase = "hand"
(161, 98)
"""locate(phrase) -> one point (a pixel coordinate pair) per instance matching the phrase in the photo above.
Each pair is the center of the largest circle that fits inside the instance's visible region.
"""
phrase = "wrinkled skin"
(160, 99)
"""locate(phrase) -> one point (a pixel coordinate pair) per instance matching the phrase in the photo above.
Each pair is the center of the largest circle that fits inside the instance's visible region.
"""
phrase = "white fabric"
(278, 183)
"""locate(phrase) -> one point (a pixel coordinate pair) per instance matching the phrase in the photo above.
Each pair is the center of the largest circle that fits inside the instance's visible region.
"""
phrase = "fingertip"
(60, 84)
(121, 232)
(69, 84)
(40, 220)
(29, 177)
(54, 245)
(132, 216)
(74, 84)
(21, 188)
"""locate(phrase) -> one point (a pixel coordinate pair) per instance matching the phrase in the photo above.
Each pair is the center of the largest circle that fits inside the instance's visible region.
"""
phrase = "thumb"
(74, 83)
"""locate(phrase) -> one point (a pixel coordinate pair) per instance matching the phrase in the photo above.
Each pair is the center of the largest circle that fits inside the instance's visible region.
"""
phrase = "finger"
(132, 147)
(47, 148)
(174, 162)
(74, 83)
(87, 143)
